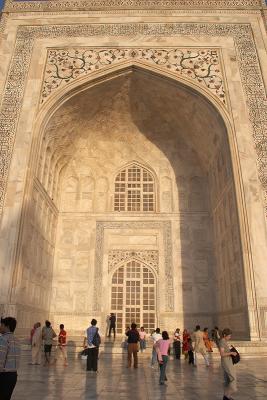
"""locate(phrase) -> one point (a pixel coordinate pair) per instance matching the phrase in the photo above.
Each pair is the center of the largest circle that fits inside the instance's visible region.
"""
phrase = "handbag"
(236, 358)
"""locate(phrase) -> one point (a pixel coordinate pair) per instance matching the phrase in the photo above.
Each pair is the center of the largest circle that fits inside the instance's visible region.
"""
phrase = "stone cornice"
(90, 5)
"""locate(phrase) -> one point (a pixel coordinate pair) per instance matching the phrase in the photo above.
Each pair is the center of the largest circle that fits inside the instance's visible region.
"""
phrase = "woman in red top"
(186, 346)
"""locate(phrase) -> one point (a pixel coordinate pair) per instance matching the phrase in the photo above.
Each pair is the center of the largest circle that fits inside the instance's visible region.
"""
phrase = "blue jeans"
(163, 366)
(154, 357)
(142, 344)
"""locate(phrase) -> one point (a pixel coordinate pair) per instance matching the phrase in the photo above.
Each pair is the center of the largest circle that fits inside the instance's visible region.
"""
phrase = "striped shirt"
(9, 352)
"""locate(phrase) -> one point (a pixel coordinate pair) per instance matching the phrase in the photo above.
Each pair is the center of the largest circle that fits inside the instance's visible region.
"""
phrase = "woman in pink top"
(142, 335)
(163, 347)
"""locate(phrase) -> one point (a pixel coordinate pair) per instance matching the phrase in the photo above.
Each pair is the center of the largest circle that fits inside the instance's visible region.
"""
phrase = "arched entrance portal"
(133, 296)
(181, 211)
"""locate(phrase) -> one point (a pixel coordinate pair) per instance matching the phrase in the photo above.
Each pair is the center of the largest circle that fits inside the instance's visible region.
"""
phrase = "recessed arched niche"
(137, 117)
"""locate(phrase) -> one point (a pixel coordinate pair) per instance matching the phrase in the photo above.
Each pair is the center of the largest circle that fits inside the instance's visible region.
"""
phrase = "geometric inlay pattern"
(148, 257)
(65, 65)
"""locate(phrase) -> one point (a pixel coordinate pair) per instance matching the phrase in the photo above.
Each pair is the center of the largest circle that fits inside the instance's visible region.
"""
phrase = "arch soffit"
(56, 100)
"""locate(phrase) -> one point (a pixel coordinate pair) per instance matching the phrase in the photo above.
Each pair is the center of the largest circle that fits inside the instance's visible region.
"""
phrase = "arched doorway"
(133, 296)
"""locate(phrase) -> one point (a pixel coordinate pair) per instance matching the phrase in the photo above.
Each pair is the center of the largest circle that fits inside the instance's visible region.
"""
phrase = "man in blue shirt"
(92, 346)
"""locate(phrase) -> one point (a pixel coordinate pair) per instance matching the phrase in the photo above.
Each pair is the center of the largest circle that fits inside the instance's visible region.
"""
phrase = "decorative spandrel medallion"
(200, 65)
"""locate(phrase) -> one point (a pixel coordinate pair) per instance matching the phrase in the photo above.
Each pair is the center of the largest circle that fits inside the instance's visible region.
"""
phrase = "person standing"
(155, 337)
(133, 339)
(228, 367)
(107, 325)
(177, 344)
(199, 346)
(48, 334)
(32, 333)
(186, 337)
(62, 345)
(112, 325)
(190, 352)
(163, 346)
(37, 344)
(142, 335)
(207, 340)
(216, 337)
(9, 357)
(92, 343)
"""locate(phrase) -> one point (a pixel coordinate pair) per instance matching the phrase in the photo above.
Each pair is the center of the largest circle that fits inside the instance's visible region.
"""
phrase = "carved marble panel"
(13, 5)
(201, 65)
(149, 257)
(165, 226)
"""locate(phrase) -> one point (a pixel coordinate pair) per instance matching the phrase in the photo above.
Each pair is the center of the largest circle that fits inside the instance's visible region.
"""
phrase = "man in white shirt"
(155, 337)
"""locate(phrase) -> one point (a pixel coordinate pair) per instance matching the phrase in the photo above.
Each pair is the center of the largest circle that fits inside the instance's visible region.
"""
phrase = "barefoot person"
(163, 346)
(92, 343)
(177, 344)
(37, 344)
(207, 340)
(142, 335)
(62, 345)
(133, 339)
(48, 334)
(199, 346)
(228, 367)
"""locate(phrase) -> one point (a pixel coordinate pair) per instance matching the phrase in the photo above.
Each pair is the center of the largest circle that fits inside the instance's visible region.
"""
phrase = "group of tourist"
(192, 345)
(45, 336)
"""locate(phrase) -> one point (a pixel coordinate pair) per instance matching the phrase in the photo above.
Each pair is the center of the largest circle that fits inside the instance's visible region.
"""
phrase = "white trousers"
(196, 354)
(61, 351)
(36, 354)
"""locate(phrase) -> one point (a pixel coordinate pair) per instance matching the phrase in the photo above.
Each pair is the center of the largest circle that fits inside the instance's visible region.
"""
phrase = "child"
(142, 335)
(190, 352)
(61, 347)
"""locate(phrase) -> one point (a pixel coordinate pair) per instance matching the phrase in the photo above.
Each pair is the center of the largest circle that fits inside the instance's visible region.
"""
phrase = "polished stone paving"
(114, 381)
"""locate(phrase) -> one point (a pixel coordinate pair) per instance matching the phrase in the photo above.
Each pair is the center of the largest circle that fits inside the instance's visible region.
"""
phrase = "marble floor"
(114, 381)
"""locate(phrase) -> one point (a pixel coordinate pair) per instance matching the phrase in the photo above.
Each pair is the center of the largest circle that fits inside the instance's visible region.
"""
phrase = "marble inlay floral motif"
(201, 65)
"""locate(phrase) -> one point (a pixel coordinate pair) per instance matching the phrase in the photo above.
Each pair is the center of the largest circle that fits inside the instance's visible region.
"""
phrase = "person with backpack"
(228, 359)
(93, 340)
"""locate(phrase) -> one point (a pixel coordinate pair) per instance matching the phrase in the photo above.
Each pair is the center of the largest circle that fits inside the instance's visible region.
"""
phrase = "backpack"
(235, 359)
(96, 339)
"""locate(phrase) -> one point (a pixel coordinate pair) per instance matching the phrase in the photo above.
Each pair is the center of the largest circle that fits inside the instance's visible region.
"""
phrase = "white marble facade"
(115, 93)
